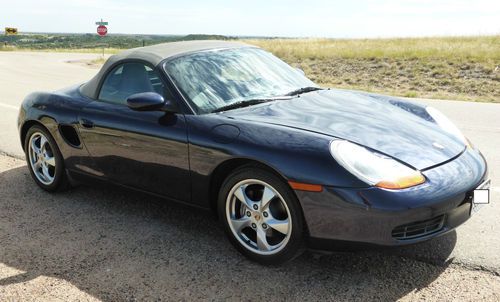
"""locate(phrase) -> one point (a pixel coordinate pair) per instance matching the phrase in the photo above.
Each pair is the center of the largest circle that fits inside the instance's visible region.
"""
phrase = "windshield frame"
(187, 101)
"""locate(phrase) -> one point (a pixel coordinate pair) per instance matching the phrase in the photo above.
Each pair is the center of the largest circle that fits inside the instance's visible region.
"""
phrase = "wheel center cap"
(257, 216)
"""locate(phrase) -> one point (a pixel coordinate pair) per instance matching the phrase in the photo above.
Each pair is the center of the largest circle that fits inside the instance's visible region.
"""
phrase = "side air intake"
(70, 135)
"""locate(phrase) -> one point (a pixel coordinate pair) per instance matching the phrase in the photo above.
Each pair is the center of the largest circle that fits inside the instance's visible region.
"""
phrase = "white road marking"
(9, 106)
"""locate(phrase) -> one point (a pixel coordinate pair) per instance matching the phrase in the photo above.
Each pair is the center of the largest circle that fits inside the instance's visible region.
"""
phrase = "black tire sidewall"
(295, 244)
(60, 177)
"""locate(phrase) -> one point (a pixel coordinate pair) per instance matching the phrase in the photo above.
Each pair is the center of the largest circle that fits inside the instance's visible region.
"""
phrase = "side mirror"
(149, 101)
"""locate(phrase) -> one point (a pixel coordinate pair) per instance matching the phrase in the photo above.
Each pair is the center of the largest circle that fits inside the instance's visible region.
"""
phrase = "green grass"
(71, 50)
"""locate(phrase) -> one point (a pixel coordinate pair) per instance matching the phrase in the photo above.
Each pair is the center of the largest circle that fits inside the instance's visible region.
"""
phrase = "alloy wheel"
(41, 158)
(258, 217)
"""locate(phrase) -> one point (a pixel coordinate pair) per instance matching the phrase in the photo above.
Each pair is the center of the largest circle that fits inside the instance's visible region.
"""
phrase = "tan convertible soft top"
(154, 55)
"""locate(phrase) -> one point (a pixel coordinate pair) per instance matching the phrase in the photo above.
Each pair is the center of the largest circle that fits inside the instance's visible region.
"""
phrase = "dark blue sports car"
(286, 164)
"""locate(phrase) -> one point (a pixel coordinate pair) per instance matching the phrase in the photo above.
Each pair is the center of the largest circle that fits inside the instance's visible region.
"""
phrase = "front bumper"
(377, 216)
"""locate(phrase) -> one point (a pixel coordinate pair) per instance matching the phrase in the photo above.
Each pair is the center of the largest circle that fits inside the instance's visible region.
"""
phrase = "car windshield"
(214, 79)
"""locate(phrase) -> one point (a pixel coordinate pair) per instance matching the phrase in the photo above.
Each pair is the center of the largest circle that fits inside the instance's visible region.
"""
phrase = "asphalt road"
(102, 243)
(24, 72)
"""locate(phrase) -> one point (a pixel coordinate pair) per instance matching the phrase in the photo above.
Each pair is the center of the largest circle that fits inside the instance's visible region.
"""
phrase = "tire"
(267, 230)
(45, 162)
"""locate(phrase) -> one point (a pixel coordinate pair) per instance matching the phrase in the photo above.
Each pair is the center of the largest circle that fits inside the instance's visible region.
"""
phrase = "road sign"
(9, 31)
(102, 30)
(101, 22)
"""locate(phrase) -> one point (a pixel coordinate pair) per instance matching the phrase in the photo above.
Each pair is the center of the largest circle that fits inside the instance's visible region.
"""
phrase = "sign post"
(102, 30)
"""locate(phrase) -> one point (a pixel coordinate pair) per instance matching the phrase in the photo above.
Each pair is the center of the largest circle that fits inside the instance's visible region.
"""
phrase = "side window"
(128, 79)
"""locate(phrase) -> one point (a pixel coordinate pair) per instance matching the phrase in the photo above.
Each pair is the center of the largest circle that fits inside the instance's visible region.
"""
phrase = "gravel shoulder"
(106, 244)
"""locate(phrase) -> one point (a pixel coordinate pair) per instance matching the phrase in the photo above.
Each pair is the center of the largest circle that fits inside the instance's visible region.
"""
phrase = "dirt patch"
(91, 63)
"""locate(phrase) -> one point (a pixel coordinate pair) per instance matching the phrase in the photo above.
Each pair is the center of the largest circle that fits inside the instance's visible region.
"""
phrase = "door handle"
(86, 123)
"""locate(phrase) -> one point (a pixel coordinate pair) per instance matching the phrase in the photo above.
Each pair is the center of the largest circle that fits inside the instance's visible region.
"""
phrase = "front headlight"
(374, 168)
(447, 125)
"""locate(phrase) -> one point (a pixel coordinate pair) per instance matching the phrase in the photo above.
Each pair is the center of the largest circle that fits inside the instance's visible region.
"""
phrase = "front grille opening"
(419, 228)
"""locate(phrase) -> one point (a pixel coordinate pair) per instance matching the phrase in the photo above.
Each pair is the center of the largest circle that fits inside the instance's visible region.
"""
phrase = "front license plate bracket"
(480, 196)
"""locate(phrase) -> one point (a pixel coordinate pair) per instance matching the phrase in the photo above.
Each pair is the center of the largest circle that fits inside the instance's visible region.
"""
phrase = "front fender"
(296, 154)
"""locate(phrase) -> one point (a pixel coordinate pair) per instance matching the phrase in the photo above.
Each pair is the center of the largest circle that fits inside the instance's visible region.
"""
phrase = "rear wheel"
(44, 160)
(261, 216)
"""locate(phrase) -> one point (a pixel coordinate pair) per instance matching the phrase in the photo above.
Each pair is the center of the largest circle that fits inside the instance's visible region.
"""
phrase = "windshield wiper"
(244, 103)
(303, 90)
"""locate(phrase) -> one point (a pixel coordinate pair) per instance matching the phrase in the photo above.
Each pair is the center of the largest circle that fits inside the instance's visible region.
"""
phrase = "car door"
(147, 150)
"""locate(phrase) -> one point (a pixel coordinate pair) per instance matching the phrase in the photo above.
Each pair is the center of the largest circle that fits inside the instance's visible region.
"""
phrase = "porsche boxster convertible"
(284, 163)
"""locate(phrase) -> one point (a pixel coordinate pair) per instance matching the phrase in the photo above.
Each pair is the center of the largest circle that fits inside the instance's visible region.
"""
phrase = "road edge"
(8, 154)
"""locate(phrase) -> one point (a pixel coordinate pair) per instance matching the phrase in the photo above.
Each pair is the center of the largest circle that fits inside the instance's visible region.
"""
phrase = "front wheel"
(261, 215)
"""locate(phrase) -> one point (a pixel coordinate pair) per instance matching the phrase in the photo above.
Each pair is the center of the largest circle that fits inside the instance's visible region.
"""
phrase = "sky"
(286, 18)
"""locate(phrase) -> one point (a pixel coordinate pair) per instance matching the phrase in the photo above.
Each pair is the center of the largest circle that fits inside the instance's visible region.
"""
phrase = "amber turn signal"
(305, 187)
(402, 182)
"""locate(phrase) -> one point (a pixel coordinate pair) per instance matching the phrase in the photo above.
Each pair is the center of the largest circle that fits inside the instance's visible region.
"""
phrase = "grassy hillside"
(465, 68)
(90, 42)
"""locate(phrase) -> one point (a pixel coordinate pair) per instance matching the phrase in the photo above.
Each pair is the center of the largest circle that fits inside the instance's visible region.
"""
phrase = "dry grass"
(464, 68)
(484, 49)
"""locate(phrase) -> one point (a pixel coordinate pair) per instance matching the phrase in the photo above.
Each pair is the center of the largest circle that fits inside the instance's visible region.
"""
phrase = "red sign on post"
(102, 30)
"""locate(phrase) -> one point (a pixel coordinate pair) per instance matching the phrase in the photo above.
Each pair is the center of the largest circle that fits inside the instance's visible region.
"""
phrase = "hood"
(391, 126)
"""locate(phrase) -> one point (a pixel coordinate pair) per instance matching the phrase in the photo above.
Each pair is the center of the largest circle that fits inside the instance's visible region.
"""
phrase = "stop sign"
(102, 30)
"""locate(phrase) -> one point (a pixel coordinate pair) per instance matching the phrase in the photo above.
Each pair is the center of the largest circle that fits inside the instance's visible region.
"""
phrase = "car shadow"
(120, 245)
